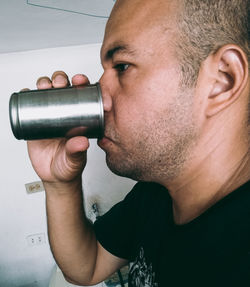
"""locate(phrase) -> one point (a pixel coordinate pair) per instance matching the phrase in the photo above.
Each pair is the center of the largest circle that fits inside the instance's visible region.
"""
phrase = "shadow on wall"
(20, 278)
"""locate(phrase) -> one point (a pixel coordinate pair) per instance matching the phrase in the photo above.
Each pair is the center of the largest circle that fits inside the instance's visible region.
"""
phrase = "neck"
(207, 180)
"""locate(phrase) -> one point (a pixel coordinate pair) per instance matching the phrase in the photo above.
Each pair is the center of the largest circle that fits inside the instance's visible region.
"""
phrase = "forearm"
(71, 235)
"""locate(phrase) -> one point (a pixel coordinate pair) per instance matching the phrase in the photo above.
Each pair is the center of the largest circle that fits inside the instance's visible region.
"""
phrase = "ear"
(229, 71)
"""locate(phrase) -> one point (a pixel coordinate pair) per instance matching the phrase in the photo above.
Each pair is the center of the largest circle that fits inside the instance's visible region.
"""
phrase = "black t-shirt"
(212, 250)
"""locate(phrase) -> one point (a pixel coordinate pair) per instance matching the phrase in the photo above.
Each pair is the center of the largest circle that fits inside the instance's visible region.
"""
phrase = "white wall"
(21, 214)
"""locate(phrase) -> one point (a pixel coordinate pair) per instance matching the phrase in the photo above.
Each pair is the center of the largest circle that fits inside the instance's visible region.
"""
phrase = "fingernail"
(44, 83)
(59, 79)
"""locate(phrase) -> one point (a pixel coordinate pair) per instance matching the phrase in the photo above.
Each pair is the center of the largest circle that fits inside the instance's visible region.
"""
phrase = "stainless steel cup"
(63, 112)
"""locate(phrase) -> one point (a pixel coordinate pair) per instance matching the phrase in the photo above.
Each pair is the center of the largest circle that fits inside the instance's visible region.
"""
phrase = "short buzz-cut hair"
(206, 25)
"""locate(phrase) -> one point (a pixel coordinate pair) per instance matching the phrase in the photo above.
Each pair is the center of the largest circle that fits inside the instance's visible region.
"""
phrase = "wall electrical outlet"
(33, 187)
(36, 239)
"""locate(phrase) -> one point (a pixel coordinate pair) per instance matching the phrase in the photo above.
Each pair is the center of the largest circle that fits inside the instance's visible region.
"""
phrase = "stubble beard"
(159, 152)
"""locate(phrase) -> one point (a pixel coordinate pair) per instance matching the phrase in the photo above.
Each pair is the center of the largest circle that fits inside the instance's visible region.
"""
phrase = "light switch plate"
(34, 187)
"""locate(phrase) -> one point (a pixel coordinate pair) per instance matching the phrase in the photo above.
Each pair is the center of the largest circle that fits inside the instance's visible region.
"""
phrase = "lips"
(104, 141)
(109, 138)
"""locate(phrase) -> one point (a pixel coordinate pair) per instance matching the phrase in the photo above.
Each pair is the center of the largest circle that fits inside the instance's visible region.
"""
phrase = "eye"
(121, 68)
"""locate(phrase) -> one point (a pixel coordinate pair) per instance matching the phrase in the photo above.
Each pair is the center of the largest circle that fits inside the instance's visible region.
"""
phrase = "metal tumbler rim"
(14, 116)
(101, 108)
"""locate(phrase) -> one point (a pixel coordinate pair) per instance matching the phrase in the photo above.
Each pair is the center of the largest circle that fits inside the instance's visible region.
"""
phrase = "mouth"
(104, 141)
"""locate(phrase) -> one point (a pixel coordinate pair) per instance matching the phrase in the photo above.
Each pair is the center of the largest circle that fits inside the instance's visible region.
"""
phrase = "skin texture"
(194, 141)
(150, 124)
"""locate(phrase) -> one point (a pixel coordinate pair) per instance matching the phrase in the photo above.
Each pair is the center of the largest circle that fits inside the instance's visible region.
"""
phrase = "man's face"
(148, 119)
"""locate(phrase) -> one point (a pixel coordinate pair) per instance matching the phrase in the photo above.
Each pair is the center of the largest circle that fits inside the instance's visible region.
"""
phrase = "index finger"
(80, 80)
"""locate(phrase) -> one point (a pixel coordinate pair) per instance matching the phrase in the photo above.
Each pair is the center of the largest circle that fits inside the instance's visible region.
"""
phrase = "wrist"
(63, 187)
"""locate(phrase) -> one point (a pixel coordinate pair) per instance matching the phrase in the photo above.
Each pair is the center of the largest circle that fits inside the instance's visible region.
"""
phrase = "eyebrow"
(123, 49)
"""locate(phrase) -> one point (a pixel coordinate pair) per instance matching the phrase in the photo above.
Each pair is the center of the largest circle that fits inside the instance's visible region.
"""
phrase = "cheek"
(129, 115)
(159, 88)
(137, 103)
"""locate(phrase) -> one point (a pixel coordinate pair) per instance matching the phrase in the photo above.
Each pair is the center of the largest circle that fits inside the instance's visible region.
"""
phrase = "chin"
(125, 169)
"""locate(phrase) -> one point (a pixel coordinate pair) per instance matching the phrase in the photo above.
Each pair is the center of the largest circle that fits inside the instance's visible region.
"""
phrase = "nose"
(106, 96)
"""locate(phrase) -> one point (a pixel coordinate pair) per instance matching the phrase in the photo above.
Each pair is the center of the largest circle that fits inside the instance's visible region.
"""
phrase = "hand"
(59, 160)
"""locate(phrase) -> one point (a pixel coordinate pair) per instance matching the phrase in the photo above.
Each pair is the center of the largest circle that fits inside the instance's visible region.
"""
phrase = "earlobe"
(230, 73)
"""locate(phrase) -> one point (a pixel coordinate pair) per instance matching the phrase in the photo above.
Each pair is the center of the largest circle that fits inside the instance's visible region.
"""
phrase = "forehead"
(132, 10)
(134, 21)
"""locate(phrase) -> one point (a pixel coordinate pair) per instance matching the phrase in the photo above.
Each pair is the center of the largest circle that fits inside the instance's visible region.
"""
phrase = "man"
(176, 91)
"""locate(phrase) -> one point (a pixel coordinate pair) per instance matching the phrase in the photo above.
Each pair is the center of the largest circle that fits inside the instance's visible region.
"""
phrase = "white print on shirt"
(140, 274)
